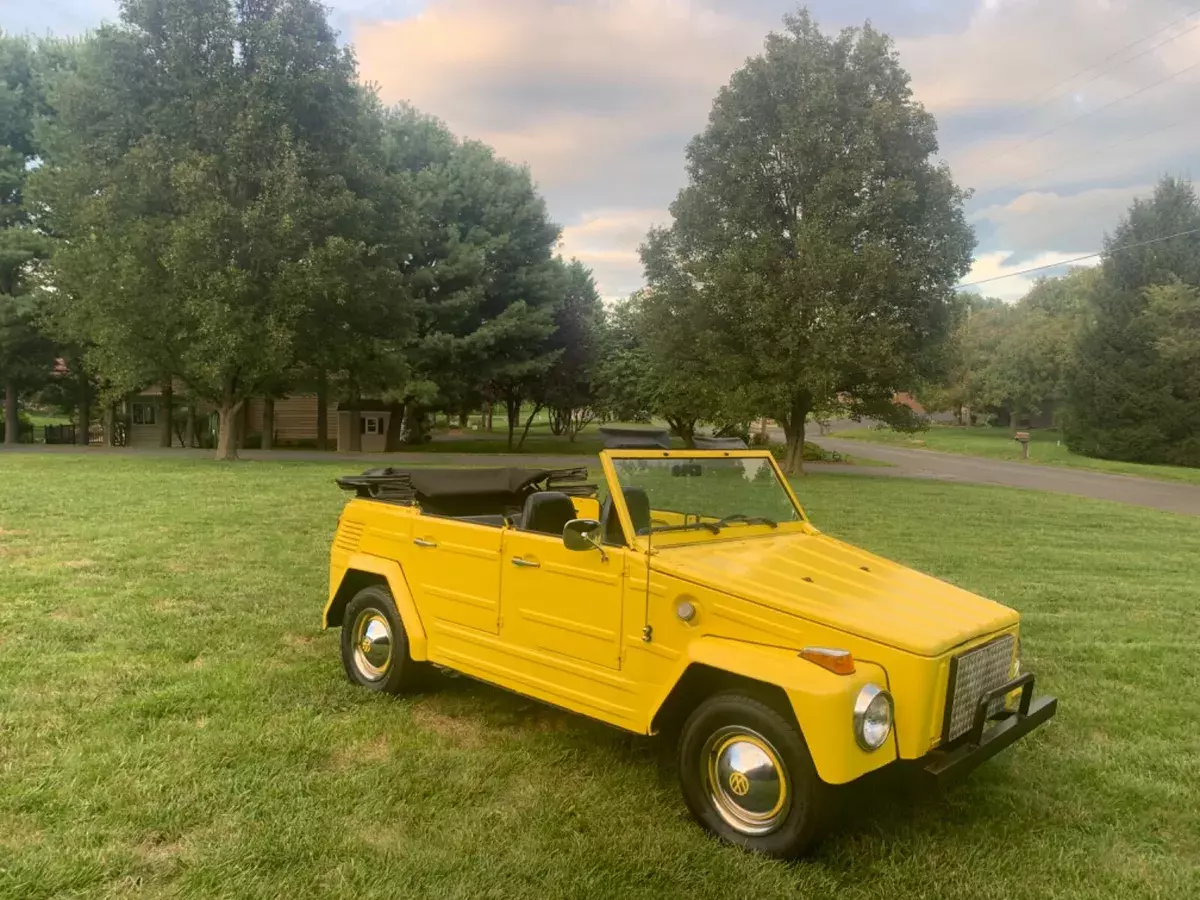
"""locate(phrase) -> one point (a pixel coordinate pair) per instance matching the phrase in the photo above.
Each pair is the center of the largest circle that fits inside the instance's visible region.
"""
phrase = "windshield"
(689, 498)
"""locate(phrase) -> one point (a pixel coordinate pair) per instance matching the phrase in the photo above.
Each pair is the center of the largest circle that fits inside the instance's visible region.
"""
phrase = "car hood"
(825, 580)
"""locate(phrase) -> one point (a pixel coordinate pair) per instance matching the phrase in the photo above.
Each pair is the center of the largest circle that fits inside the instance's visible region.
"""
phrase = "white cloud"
(569, 88)
(607, 241)
(999, 264)
(1045, 221)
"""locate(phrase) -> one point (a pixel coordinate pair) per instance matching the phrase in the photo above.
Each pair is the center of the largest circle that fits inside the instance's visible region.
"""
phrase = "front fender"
(822, 701)
(418, 642)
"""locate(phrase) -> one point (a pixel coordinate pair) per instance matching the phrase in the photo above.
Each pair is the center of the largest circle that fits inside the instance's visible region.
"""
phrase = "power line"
(1115, 53)
(1126, 62)
(1091, 112)
(1067, 262)
(1188, 119)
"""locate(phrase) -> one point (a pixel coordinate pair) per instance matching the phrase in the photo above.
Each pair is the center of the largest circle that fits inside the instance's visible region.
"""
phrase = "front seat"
(547, 512)
(638, 503)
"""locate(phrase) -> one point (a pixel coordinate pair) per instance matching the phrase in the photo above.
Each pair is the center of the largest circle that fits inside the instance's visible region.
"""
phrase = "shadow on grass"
(888, 800)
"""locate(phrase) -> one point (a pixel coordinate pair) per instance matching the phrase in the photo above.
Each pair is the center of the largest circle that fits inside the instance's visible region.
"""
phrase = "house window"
(371, 425)
(143, 413)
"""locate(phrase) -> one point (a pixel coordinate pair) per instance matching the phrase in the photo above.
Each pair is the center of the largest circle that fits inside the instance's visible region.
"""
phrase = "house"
(295, 421)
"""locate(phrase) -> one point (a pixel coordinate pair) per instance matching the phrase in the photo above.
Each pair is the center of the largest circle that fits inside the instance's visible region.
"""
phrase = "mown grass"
(1045, 449)
(173, 723)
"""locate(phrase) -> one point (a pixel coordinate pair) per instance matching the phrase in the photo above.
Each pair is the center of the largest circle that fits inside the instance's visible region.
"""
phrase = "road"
(1162, 495)
(1169, 496)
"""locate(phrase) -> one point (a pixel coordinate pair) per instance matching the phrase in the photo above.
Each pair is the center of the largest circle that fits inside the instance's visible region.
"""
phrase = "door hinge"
(647, 634)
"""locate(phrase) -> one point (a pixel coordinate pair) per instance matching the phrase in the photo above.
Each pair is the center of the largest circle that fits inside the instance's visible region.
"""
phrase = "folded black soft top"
(473, 488)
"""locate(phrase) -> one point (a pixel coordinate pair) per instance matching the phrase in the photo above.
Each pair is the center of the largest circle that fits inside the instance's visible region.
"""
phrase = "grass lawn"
(173, 723)
(998, 443)
(40, 420)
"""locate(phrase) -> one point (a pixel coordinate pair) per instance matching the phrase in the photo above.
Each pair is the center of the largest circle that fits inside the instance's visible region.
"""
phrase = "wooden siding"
(295, 418)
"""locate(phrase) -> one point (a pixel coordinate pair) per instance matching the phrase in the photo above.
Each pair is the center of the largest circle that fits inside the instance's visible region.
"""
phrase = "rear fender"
(390, 571)
(822, 702)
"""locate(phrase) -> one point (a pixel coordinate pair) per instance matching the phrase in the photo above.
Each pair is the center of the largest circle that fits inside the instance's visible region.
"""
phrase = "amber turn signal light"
(839, 662)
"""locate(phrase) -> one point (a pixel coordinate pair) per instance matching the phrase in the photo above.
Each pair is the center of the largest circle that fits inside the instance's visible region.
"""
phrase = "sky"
(1057, 113)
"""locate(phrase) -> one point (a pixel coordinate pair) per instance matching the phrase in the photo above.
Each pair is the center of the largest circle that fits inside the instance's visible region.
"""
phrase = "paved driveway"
(1165, 495)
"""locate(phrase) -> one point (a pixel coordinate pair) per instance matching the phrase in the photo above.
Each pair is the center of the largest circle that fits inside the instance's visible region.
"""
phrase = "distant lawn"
(174, 724)
(998, 443)
(40, 420)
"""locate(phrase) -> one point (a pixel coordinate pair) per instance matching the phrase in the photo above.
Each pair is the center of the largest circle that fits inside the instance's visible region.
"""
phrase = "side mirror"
(582, 534)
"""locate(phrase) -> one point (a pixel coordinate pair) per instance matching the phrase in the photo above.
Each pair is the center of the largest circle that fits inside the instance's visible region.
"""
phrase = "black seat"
(547, 512)
(638, 503)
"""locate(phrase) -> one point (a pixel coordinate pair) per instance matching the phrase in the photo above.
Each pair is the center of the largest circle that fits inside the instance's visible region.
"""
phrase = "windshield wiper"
(690, 526)
(748, 520)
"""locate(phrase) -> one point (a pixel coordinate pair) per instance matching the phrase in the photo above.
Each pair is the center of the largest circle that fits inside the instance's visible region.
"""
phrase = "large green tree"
(1127, 396)
(26, 355)
(569, 385)
(485, 282)
(204, 167)
(821, 235)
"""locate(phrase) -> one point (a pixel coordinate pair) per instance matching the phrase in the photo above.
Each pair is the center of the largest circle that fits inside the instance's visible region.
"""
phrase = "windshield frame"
(644, 542)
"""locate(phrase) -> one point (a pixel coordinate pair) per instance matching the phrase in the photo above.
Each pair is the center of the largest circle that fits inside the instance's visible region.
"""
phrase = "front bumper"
(978, 745)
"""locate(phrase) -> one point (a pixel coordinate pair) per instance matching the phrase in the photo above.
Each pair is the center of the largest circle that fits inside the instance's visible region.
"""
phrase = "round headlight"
(872, 717)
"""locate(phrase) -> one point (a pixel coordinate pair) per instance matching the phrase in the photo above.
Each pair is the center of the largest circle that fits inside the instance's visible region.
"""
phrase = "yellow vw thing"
(689, 594)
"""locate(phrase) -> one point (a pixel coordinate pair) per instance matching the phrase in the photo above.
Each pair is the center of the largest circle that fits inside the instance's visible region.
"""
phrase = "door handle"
(421, 542)
(525, 563)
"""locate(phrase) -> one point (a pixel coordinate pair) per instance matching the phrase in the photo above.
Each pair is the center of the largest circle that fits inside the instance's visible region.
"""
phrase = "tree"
(26, 355)
(688, 382)
(485, 282)
(1127, 398)
(822, 240)
(201, 169)
(623, 386)
(568, 390)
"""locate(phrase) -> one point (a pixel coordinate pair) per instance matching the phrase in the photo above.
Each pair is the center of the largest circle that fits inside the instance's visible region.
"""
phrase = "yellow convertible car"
(688, 593)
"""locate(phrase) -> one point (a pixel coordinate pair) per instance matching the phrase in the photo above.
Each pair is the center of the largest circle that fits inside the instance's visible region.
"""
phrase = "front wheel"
(747, 776)
(375, 644)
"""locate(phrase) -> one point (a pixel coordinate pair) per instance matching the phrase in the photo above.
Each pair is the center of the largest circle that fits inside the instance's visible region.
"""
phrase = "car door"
(565, 603)
(453, 570)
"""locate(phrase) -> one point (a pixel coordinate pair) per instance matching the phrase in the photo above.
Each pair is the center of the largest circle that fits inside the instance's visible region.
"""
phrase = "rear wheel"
(375, 645)
(748, 778)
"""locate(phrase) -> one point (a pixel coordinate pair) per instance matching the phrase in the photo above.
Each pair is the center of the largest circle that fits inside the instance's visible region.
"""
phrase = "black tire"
(781, 817)
(373, 608)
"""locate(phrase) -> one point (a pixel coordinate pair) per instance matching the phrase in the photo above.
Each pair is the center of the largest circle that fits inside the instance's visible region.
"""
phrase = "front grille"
(973, 674)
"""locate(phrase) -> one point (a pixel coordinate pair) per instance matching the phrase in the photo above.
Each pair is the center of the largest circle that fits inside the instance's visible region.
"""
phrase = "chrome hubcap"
(372, 644)
(746, 780)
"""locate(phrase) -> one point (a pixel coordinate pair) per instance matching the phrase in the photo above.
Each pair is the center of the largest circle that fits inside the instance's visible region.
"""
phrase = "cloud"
(1040, 222)
(598, 96)
(607, 241)
(1000, 264)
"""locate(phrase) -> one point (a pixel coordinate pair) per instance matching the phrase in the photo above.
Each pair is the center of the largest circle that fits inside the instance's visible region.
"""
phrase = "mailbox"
(1022, 437)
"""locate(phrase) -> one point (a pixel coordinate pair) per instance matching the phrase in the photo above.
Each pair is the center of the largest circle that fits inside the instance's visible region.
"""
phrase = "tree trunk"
(524, 434)
(512, 406)
(464, 418)
(165, 404)
(487, 412)
(684, 429)
(322, 411)
(189, 427)
(230, 422)
(110, 423)
(12, 424)
(268, 424)
(85, 410)
(793, 430)
(395, 428)
(355, 422)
